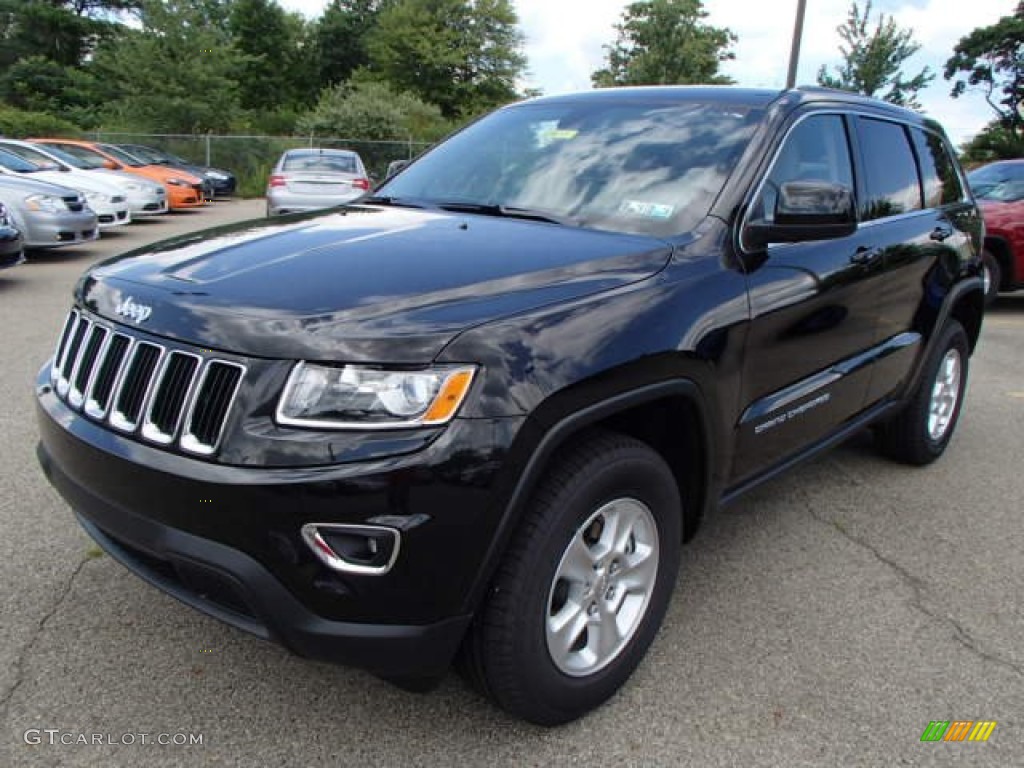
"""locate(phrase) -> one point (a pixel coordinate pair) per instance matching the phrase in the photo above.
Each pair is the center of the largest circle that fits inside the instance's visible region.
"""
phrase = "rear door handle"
(940, 234)
(865, 256)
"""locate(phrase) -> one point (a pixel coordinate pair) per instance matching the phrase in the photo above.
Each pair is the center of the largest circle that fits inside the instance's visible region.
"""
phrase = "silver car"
(103, 197)
(48, 215)
(308, 179)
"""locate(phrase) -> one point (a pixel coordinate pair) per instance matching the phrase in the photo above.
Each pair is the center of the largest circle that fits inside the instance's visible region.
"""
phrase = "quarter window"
(892, 183)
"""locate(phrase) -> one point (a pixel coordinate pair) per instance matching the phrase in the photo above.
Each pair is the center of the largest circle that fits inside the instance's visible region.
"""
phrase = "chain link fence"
(250, 158)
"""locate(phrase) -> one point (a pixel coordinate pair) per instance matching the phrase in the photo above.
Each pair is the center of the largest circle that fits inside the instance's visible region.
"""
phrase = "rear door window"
(891, 179)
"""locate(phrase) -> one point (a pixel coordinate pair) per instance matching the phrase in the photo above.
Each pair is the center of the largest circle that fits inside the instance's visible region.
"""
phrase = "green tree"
(178, 73)
(665, 42)
(873, 57)
(995, 141)
(991, 60)
(462, 55)
(41, 85)
(341, 37)
(52, 30)
(373, 111)
(277, 73)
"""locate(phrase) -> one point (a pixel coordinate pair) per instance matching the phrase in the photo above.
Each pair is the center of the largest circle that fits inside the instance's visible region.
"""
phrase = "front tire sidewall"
(573, 695)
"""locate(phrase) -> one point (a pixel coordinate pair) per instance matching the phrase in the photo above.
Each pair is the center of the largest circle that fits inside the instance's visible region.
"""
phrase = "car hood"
(165, 173)
(121, 179)
(33, 187)
(359, 284)
(81, 181)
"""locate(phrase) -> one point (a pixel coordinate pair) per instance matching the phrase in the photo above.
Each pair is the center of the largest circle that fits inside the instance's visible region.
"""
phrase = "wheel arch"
(999, 247)
(652, 413)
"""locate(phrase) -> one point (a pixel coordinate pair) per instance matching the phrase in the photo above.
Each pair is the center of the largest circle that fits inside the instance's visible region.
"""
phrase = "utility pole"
(794, 53)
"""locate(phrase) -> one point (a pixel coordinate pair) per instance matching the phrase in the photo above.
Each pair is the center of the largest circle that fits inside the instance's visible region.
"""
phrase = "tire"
(513, 652)
(923, 429)
(992, 274)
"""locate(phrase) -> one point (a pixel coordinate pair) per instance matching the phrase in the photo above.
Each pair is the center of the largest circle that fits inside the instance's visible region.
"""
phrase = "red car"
(999, 190)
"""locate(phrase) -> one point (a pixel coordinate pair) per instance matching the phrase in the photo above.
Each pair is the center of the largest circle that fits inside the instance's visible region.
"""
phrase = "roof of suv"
(728, 94)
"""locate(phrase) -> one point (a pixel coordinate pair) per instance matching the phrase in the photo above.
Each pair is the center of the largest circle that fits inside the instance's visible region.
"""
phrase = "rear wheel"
(922, 431)
(584, 585)
(991, 275)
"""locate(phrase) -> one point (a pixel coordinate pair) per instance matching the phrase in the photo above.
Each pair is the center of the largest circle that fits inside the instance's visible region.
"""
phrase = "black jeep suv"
(479, 411)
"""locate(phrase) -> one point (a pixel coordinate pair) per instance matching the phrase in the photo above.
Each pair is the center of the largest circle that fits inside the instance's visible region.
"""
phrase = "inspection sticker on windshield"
(647, 210)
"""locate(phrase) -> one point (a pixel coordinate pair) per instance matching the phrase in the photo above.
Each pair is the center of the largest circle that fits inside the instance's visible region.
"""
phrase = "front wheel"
(922, 431)
(584, 585)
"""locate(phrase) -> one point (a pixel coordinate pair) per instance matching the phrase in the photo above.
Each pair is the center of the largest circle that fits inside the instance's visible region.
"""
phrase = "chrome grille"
(142, 387)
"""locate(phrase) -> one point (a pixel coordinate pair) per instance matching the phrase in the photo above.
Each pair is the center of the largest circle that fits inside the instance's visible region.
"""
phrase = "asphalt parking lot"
(824, 620)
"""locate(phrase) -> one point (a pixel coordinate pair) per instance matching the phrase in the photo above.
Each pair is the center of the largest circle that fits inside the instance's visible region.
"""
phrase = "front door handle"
(865, 257)
(940, 234)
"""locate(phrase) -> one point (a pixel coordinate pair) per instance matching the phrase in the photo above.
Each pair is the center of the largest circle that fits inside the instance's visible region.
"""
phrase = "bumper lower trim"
(235, 588)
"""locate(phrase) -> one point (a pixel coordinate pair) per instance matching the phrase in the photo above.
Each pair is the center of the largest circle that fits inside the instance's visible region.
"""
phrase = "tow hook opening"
(364, 549)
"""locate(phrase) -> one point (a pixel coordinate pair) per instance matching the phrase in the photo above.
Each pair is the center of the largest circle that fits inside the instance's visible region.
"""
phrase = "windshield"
(639, 167)
(319, 162)
(1000, 182)
(87, 157)
(121, 156)
(145, 153)
(73, 161)
(16, 164)
(33, 156)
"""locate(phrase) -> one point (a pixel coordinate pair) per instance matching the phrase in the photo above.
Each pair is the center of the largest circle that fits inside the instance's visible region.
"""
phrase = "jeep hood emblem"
(133, 311)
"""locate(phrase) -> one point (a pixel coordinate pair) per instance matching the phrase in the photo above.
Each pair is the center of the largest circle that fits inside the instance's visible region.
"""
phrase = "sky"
(564, 40)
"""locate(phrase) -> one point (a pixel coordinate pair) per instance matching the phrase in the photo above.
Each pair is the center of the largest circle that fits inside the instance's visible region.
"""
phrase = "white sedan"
(105, 199)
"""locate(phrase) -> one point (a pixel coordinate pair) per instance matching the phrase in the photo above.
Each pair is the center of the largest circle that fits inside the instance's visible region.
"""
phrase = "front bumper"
(51, 230)
(226, 540)
(146, 203)
(185, 197)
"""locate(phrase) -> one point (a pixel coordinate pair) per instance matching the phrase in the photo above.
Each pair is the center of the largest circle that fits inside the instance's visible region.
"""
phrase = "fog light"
(366, 549)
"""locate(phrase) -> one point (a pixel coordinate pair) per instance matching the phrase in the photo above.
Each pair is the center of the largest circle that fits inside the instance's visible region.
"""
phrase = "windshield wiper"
(510, 212)
(398, 202)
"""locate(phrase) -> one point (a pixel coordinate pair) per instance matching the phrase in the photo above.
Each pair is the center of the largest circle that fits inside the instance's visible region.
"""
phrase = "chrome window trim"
(812, 112)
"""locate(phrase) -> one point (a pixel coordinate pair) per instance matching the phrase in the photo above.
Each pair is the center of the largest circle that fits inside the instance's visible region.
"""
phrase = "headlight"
(5, 219)
(47, 203)
(216, 175)
(97, 197)
(354, 397)
(179, 182)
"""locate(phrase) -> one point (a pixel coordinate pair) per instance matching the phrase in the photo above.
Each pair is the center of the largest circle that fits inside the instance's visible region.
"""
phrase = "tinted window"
(815, 150)
(890, 170)
(938, 173)
(646, 167)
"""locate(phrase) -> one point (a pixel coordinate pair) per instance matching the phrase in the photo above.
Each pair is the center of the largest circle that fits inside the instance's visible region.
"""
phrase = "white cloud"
(564, 40)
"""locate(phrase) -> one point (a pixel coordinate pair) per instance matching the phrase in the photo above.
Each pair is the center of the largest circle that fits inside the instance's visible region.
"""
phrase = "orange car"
(183, 189)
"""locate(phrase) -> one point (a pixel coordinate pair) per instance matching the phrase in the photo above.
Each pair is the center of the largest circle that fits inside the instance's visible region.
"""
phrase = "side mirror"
(804, 211)
(110, 165)
(394, 167)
